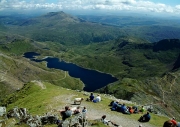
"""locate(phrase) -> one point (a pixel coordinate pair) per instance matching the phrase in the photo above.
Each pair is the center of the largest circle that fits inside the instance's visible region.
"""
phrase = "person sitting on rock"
(77, 110)
(145, 118)
(66, 113)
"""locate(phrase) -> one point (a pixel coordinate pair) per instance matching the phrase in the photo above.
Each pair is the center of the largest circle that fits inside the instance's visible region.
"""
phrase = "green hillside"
(143, 26)
(147, 72)
(126, 57)
(135, 62)
(16, 70)
(40, 98)
(139, 65)
(65, 29)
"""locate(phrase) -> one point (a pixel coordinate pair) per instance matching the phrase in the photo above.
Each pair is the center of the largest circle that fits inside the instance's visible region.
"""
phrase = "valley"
(143, 56)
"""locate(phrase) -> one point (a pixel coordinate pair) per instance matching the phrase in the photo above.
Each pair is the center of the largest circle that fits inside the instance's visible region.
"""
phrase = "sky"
(162, 7)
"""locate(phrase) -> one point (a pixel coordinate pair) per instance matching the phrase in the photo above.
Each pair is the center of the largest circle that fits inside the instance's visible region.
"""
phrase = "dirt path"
(95, 112)
(173, 78)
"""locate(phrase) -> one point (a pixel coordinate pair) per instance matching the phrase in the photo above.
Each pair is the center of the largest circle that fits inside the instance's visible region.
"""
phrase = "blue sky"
(168, 2)
(165, 7)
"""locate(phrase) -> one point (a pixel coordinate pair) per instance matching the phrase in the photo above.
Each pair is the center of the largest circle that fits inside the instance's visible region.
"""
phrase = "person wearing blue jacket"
(145, 118)
(124, 109)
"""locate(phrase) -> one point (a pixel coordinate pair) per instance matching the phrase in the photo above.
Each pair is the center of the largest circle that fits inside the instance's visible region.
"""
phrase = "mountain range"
(147, 70)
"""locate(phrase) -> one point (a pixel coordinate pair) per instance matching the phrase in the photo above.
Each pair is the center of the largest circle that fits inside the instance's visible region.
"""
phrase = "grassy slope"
(129, 59)
(65, 29)
(104, 57)
(39, 101)
(137, 76)
(148, 28)
(16, 70)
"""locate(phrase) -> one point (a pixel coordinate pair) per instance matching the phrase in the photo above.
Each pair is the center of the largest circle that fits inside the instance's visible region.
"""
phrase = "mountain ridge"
(147, 71)
(65, 29)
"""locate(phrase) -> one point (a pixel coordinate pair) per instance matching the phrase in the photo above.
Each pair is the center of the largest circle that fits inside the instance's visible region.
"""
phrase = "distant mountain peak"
(54, 18)
(61, 16)
(55, 13)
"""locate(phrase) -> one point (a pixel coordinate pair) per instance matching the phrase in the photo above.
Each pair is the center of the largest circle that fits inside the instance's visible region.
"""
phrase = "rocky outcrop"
(2, 111)
(38, 121)
(78, 120)
(33, 121)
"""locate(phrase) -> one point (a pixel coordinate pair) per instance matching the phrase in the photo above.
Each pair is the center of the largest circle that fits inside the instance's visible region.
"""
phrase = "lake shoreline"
(92, 79)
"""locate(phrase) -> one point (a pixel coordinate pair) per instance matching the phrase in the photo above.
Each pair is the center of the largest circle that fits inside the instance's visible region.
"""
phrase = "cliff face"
(177, 63)
(166, 44)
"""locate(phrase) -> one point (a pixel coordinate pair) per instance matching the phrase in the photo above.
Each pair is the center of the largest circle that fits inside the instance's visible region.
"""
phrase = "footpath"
(96, 111)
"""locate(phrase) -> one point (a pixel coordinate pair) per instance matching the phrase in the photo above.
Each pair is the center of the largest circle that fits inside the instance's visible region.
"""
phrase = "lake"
(92, 79)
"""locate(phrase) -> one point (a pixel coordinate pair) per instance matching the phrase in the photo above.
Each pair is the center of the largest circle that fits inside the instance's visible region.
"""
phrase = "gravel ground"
(116, 117)
(95, 112)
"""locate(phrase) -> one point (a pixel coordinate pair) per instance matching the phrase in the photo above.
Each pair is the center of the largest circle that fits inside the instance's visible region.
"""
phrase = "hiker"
(118, 108)
(124, 109)
(97, 99)
(174, 121)
(91, 97)
(131, 110)
(66, 113)
(111, 103)
(145, 118)
(84, 110)
(142, 109)
(106, 122)
(169, 123)
(135, 108)
(114, 105)
(77, 110)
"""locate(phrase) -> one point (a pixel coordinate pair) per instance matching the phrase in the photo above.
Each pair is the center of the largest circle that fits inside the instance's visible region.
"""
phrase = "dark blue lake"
(92, 79)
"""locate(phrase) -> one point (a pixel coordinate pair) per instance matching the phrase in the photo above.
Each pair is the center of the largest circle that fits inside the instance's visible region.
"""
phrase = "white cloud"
(133, 5)
(177, 7)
